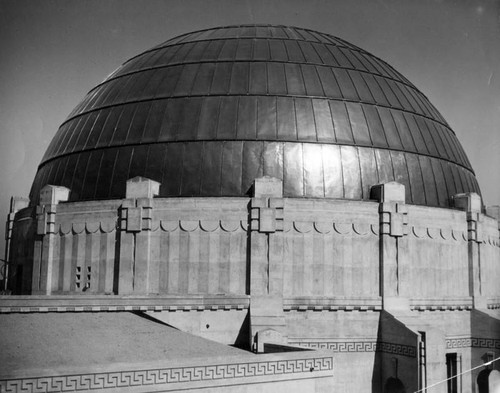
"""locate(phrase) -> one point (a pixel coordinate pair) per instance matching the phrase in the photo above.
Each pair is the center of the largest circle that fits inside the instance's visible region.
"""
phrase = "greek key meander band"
(360, 346)
(473, 342)
(67, 383)
(397, 349)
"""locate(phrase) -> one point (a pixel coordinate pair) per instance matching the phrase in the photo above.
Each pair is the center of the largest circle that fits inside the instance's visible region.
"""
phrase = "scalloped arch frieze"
(169, 226)
(92, 227)
(337, 228)
(438, 233)
(303, 226)
(433, 233)
(230, 225)
(209, 225)
(78, 227)
(108, 226)
(361, 228)
(342, 228)
(204, 225)
(323, 227)
(155, 225)
(65, 228)
(189, 225)
(492, 241)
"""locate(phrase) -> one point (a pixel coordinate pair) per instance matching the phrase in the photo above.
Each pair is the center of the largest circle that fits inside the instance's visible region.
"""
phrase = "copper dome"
(207, 112)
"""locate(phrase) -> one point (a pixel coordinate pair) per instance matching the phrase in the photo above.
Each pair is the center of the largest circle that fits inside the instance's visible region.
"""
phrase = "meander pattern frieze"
(360, 346)
(472, 342)
(162, 376)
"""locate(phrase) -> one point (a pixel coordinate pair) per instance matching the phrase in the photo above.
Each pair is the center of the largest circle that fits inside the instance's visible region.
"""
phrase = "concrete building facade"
(269, 188)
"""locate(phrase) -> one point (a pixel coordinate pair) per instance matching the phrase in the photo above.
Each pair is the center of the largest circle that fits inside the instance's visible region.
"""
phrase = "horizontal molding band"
(31, 304)
(173, 378)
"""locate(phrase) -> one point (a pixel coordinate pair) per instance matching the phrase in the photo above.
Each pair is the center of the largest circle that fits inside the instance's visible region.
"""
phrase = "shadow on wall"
(488, 381)
(394, 385)
(484, 330)
(396, 362)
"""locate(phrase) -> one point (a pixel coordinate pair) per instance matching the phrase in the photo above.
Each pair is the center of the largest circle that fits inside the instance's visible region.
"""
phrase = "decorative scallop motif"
(92, 227)
(78, 227)
(419, 232)
(323, 227)
(361, 228)
(188, 226)
(108, 226)
(375, 228)
(169, 226)
(342, 228)
(229, 225)
(209, 225)
(303, 226)
(65, 228)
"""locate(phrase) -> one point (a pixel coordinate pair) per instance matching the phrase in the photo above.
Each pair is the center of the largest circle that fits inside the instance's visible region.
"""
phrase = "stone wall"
(318, 273)
(267, 246)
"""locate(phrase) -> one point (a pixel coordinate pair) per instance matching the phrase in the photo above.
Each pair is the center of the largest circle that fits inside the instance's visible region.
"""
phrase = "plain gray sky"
(53, 51)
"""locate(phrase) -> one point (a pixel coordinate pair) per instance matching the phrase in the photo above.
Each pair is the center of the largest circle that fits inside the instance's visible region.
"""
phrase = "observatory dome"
(207, 112)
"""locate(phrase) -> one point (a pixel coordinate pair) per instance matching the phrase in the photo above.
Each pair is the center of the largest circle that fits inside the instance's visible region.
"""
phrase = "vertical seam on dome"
(383, 93)
(74, 170)
(367, 125)
(396, 128)
(236, 121)
(382, 127)
(99, 113)
(315, 68)
(448, 192)
(358, 160)
(409, 179)
(219, 106)
(80, 133)
(376, 165)
(183, 151)
(130, 160)
(295, 122)
(115, 127)
(420, 133)
(315, 123)
(146, 122)
(102, 128)
(131, 122)
(202, 162)
(350, 123)
(323, 169)
(409, 132)
(317, 53)
(342, 172)
(163, 164)
(276, 117)
(434, 180)
(333, 122)
(423, 180)
(223, 144)
(303, 171)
